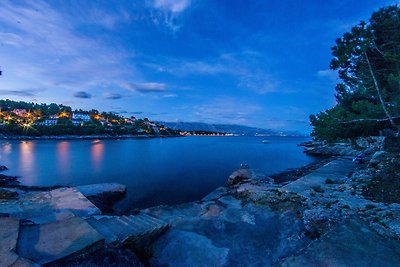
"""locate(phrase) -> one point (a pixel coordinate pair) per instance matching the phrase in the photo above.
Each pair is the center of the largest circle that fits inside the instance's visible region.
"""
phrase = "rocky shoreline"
(323, 214)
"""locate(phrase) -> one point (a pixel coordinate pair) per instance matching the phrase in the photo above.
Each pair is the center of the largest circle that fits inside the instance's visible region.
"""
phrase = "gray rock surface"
(100, 189)
(353, 243)
(48, 204)
(9, 229)
(118, 229)
(183, 248)
(54, 241)
(253, 235)
(334, 170)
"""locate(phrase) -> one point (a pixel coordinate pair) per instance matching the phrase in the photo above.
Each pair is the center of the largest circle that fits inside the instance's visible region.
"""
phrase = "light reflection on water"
(155, 171)
(97, 151)
(63, 157)
(26, 160)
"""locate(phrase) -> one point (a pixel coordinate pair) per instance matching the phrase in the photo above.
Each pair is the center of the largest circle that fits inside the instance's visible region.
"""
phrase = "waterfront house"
(80, 116)
(19, 112)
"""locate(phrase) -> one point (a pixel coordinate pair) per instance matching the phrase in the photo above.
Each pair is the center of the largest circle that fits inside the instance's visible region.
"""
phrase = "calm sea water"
(155, 171)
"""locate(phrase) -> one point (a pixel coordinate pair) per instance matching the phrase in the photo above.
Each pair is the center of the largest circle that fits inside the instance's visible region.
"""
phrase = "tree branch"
(378, 90)
(374, 120)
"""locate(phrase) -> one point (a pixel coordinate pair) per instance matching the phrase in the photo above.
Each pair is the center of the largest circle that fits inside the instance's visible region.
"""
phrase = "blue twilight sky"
(258, 63)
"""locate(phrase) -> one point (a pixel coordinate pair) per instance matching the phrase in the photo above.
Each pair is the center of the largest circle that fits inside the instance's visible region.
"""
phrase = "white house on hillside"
(80, 116)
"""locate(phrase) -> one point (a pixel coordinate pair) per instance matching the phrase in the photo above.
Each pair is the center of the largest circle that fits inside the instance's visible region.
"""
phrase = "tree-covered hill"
(31, 119)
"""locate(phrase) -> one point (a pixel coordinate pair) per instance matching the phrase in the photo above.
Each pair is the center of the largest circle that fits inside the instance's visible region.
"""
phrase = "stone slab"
(49, 204)
(334, 170)
(99, 189)
(9, 228)
(57, 240)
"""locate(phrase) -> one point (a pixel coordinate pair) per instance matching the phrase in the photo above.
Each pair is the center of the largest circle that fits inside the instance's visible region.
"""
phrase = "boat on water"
(266, 141)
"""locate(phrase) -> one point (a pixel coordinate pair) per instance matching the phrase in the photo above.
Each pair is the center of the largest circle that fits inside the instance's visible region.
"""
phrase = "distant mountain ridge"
(227, 128)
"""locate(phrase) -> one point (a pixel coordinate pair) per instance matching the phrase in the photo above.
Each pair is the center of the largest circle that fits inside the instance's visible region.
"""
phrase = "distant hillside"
(226, 128)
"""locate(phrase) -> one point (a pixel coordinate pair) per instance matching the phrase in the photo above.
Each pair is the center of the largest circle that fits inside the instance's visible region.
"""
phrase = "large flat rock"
(9, 228)
(57, 240)
(50, 203)
(351, 244)
(334, 170)
(100, 189)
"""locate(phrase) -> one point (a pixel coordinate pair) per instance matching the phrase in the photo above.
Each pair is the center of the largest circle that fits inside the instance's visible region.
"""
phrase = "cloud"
(158, 113)
(174, 6)
(328, 74)
(243, 66)
(225, 110)
(136, 112)
(43, 47)
(148, 87)
(82, 94)
(23, 93)
(167, 13)
(170, 95)
(112, 96)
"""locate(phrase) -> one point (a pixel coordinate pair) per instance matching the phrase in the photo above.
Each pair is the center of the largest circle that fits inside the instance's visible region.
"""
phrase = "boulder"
(103, 195)
(239, 176)
(91, 190)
